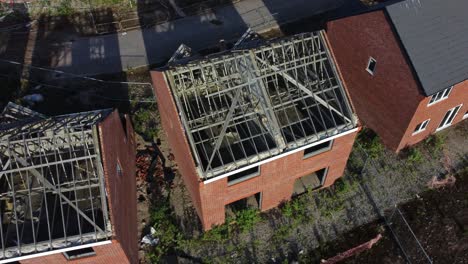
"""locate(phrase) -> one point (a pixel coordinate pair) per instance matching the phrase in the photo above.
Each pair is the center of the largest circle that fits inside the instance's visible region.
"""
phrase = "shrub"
(282, 233)
(167, 231)
(295, 209)
(247, 218)
(145, 123)
(414, 155)
(331, 205)
(435, 142)
(65, 8)
(218, 233)
(343, 189)
(371, 143)
(287, 210)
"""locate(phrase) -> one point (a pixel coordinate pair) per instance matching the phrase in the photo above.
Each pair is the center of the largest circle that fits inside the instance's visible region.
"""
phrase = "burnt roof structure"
(52, 192)
(13, 112)
(434, 34)
(258, 100)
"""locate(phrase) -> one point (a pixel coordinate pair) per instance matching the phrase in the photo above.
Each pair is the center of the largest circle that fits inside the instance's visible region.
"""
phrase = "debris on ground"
(143, 162)
(150, 164)
(436, 183)
(149, 239)
(353, 251)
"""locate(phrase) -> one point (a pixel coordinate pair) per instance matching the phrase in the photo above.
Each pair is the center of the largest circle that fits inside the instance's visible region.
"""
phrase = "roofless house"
(257, 123)
(59, 178)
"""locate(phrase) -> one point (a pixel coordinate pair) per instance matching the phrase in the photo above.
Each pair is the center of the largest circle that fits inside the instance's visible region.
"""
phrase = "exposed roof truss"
(250, 104)
(51, 184)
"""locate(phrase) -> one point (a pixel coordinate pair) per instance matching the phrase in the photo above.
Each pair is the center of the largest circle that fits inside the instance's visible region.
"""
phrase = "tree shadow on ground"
(57, 62)
(14, 36)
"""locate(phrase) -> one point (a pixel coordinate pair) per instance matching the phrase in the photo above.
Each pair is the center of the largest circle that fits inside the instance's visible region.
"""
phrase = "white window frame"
(465, 116)
(440, 96)
(422, 126)
(453, 112)
(371, 59)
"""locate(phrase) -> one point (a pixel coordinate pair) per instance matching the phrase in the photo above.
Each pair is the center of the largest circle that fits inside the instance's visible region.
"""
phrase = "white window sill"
(465, 117)
(418, 132)
(442, 128)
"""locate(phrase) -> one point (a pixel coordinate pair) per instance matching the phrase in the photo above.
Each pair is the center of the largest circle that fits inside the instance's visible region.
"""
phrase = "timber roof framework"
(52, 192)
(252, 103)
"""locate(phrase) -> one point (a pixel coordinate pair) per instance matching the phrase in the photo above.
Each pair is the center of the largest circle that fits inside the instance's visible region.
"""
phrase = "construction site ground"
(339, 218)
(439, 219)
(314, 226)
(321, 225)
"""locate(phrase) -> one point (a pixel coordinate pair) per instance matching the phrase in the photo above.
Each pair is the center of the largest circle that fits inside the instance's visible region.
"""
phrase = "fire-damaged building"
(257, 123)
(67, 187)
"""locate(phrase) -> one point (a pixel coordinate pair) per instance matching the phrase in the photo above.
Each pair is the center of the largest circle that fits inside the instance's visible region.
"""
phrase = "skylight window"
(119, 169)
(371, 66)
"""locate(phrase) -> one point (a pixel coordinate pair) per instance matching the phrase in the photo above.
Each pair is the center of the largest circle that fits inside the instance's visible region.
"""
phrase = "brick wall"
(118, 147)
(436, 112)
(387, 101)
(177, 140)
(276, 180)
(105, 254)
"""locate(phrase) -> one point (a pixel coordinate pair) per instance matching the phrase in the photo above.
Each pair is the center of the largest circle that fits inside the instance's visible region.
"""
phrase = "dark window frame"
(243, 175)
(79, 253)
(371, 65)
(313, 151)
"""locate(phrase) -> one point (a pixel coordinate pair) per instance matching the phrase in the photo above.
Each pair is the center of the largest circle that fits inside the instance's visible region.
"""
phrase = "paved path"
(115, 52)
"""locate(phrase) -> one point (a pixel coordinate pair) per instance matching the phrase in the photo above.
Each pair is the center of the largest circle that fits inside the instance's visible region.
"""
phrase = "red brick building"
(405, 67)
(68, 187)
(257, 124)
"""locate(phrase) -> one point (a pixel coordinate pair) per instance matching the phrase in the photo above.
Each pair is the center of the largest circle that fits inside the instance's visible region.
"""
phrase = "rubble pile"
(149, 164)
(143, 162)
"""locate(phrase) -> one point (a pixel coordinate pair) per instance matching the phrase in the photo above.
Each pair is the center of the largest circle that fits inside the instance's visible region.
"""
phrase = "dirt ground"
(333, 216)
(439, 219)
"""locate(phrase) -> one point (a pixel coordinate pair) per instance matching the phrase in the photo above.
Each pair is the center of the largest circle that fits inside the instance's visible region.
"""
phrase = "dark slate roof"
(435, 36)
